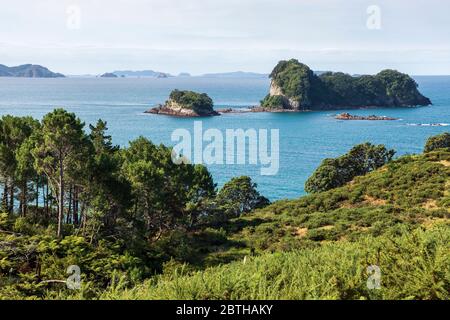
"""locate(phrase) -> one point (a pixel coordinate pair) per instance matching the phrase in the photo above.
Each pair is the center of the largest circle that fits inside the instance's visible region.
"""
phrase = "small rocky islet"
(186, 104)
(295, 87)
(348, 116)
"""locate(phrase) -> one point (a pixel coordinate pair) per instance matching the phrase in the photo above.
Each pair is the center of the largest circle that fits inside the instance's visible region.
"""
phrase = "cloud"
(218, 33)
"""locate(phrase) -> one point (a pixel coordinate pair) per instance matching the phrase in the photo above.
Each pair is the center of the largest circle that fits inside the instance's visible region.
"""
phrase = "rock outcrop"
(294, 86)
(186, 104)
(348, 116)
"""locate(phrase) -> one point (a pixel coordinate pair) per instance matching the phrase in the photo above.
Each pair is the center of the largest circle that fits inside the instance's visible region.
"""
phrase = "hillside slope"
(28, 71)
(320, 246)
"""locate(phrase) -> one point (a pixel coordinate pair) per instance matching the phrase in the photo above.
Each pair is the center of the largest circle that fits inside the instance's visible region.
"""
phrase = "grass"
(413, 266)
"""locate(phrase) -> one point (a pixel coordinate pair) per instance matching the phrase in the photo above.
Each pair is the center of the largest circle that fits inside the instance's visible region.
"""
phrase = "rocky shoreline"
(180, 112)
(348, 116)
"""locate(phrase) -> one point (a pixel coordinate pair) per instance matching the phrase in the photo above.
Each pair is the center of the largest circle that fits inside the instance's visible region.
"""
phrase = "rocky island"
(348, 116)
(109, 75)
(295, 87)
(28, 71)
(186, 104)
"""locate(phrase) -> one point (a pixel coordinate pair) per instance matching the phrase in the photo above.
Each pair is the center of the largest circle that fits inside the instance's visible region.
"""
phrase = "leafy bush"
(437, 142)
(360, 160)
(238, 196)
(274, 102)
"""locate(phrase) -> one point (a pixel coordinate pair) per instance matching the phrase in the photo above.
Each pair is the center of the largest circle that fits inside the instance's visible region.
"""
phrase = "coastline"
(161, 110)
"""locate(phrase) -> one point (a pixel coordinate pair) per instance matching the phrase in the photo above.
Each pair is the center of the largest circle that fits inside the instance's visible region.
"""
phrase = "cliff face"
(286, 102)
(294, 86)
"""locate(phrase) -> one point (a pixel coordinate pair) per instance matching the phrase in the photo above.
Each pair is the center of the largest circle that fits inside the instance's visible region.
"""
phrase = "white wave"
(429, 124)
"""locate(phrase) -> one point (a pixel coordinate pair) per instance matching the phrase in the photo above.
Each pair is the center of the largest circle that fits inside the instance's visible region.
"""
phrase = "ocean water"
(305, 138)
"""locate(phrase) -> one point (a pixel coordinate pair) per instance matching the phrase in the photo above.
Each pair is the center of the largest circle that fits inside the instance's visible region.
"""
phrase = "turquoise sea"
(305, 138)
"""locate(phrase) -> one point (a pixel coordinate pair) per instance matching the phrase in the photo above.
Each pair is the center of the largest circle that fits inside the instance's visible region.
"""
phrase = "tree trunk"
(46, 196)
(11, 197)
(60, 198)
(5, 205)
(69, 210)
(37, 193)
(75, 206)
(23, 200)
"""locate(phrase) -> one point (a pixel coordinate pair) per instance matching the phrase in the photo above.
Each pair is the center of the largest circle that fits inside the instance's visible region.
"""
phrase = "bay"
(305, 138)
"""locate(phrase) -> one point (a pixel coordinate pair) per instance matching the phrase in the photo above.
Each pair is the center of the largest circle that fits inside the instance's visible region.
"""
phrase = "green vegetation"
(361, 159)
(199, 102)
(139, 226)
(302, 89)
(413, 266)
(295, 79)
(274, 102)
(438, 142)
(239, 196)
(109, 210)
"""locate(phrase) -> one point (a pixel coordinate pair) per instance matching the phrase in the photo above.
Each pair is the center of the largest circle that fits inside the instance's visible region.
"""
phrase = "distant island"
(186, 104)
(28, 71)
(294, 86)
(108, 75)
(236, 74)
(348, 116)
(142, 74)
(159, 74)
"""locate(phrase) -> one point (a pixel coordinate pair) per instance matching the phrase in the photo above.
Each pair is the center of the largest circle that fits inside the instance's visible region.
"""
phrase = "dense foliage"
(412, 266)
(320, 246)
(199, 102)
(139, 226)
(438, 142)
(360, 160)
(83, 201)
(239, 196)
(302, 89)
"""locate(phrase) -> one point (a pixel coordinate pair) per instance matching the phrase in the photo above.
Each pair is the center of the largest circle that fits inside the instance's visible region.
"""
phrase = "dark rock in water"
(186, 104)
(28, 71)
(226, 110)
(348, 116)
(109, 75)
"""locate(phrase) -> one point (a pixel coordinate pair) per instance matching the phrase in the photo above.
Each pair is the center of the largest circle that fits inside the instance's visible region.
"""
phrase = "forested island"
(28, 71)
(294, 86)
(186, 104)
(139, 226)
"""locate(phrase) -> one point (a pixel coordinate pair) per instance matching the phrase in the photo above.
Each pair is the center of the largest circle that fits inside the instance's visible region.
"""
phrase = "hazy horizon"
(79, 37)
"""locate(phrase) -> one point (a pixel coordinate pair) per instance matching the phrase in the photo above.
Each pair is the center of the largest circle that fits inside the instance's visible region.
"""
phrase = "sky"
(204, 36)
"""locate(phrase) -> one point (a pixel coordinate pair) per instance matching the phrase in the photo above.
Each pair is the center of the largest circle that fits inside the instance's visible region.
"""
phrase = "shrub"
(438, 142)
(360, 160)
